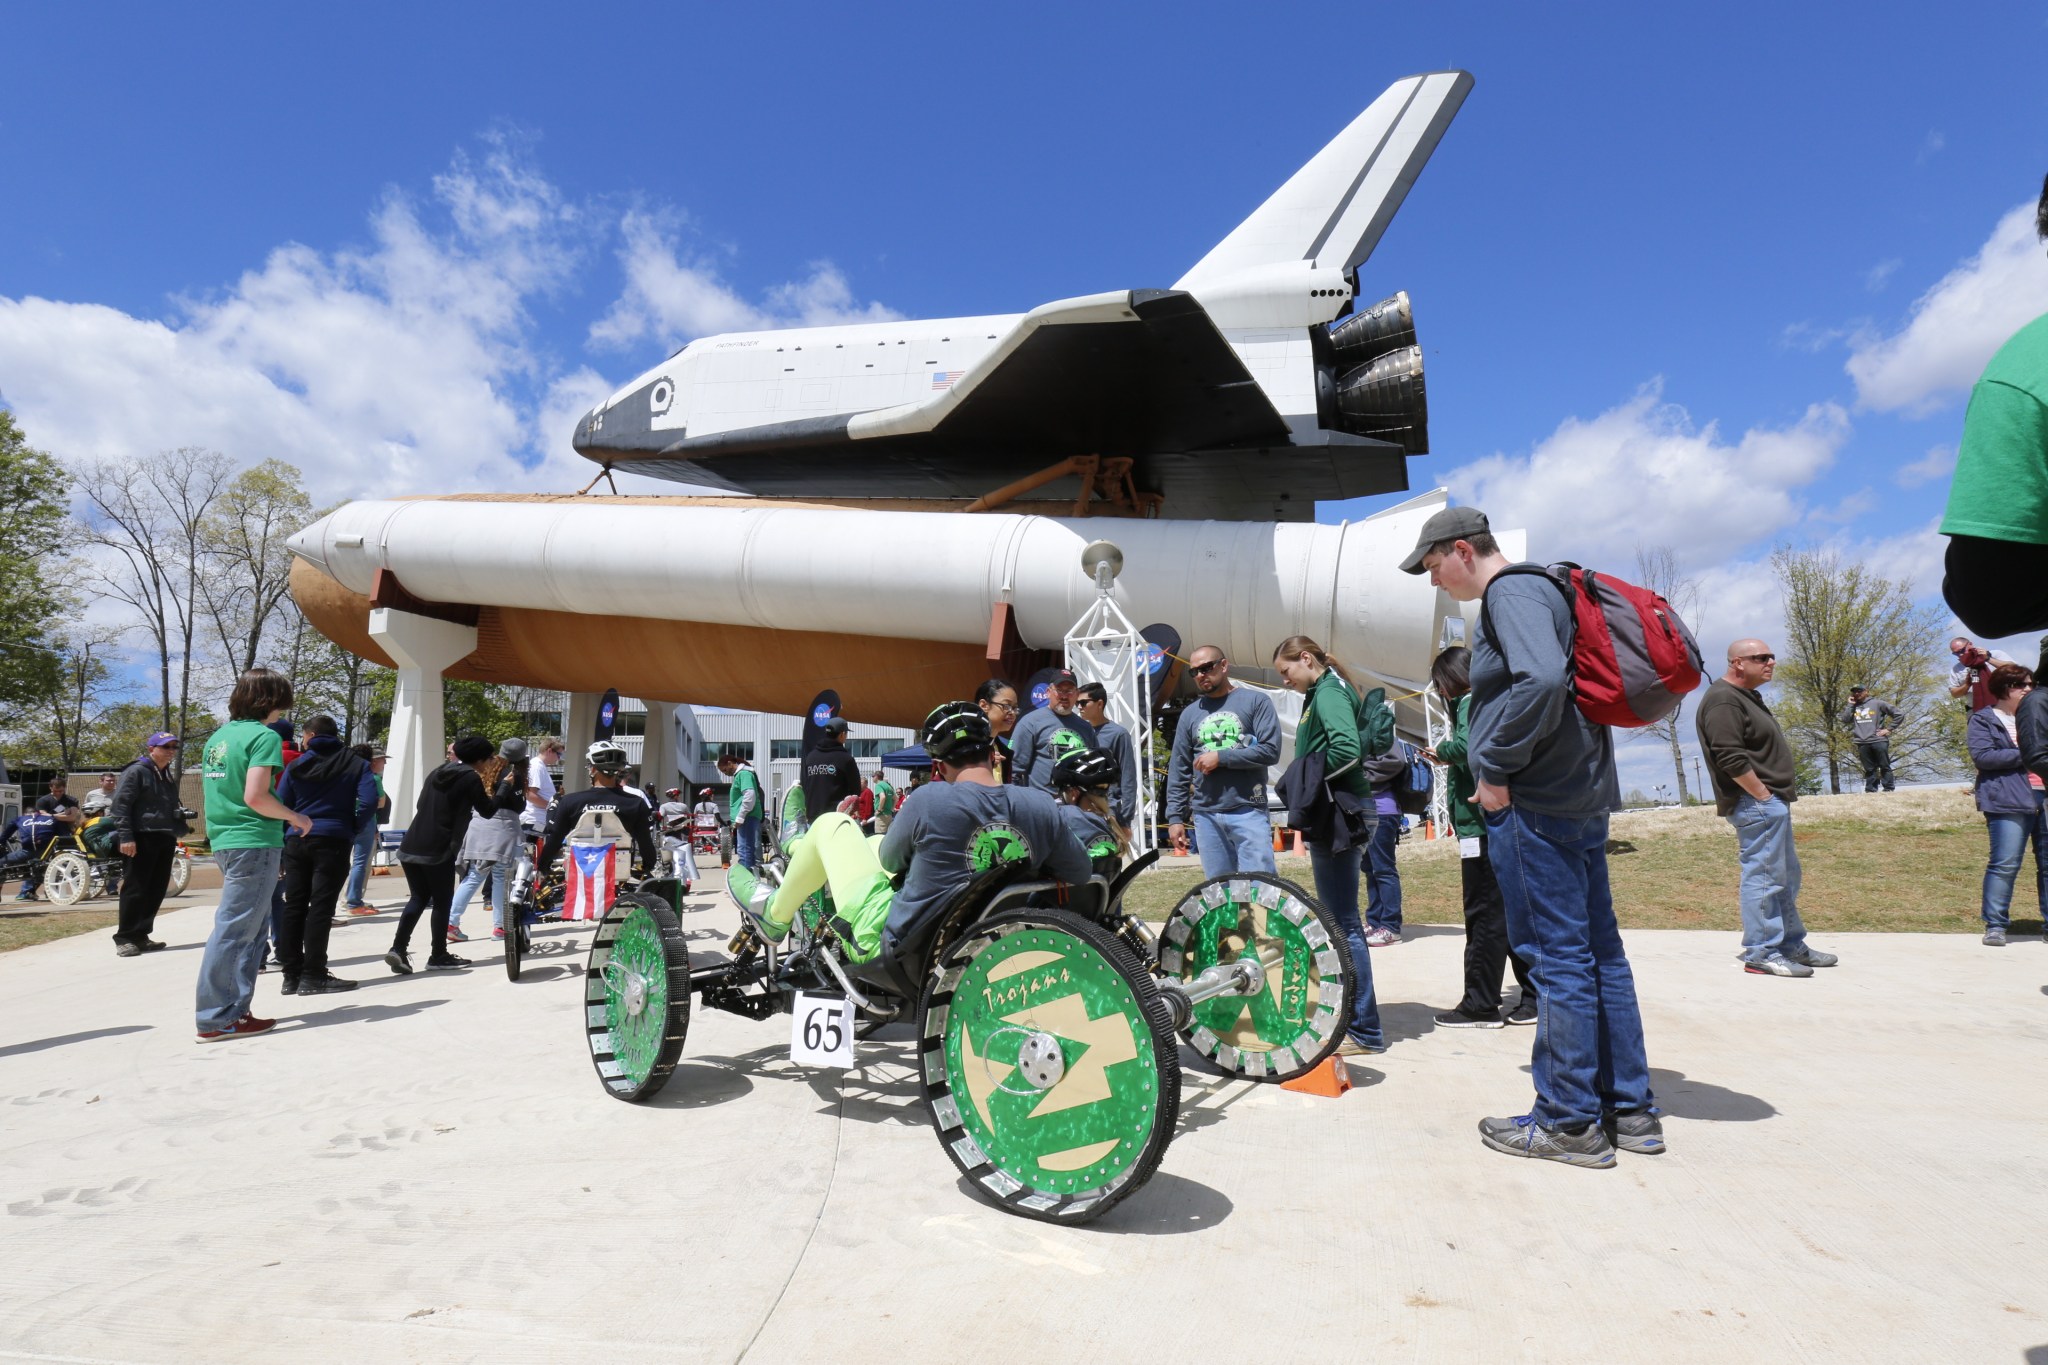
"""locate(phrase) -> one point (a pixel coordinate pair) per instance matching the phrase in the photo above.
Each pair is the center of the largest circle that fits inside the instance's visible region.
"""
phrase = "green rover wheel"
(1298, 1019)
(636, 996)
(1049, 1065)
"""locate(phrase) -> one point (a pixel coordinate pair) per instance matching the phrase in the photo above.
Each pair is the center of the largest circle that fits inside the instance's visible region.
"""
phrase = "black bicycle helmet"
(956, 728)
(1089, 768)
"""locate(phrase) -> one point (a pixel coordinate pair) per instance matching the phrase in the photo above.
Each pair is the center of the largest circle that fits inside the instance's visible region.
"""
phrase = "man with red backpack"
(1544, 772)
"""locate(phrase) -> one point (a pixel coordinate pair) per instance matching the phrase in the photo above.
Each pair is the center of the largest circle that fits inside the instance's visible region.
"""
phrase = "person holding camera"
(1971, 677)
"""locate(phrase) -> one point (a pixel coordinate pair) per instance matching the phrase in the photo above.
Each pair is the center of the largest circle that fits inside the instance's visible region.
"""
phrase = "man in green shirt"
(1997, 519)
(744, 810)
(885, 803)
(245, 826)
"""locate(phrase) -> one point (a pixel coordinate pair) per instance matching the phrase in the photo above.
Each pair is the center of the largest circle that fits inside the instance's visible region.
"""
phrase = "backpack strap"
(1559, 576)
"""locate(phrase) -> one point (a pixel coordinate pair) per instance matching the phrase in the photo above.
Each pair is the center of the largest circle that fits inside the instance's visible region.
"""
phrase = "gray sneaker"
(1777, 964)
(1994, 938)
(1524, 1136)
(1640, 1131)
(1524, 1013)
(1810, 956)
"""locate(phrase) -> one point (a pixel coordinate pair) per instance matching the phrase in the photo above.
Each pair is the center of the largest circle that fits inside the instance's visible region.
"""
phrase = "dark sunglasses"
(1199, 669)
(1759, 658)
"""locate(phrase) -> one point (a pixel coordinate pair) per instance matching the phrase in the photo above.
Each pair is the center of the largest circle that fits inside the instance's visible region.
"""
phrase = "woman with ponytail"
(1329, 726)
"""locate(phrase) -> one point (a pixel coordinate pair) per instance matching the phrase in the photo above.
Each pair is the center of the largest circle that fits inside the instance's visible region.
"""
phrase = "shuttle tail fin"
(1333, 210)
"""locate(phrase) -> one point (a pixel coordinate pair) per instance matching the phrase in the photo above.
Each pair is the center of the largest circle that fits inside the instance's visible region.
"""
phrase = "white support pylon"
(1104, 647)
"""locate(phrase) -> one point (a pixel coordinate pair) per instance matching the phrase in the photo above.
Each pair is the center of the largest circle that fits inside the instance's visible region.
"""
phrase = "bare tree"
(1847, 624)
(1657, 570)
(245, 532)
(151, 518)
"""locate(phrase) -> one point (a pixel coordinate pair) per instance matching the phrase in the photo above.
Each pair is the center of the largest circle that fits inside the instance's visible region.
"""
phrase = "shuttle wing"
(1143, 373)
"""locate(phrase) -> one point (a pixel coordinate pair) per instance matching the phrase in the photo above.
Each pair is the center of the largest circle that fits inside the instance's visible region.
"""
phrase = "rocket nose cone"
(310, 544)
(585, 428)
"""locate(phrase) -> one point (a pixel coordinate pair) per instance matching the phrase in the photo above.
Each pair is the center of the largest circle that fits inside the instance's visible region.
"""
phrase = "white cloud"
(1880, 275)
(1642, 473)
(403, 365)
(670, 297)
(1937, 463)
(1954, 328)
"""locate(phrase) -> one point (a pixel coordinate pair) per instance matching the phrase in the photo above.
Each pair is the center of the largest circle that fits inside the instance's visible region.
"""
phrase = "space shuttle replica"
(897, 510)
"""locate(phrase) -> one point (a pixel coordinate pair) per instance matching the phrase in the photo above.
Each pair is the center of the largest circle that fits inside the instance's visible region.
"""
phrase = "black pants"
(432, 885)
(1486, 941)
(147, 877)
(1877, 764)
(315, 866)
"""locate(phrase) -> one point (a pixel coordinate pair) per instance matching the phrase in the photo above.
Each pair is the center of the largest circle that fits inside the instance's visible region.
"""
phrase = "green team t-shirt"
(743, 782)
(885, 799)
(234, 749)
(2000, 490)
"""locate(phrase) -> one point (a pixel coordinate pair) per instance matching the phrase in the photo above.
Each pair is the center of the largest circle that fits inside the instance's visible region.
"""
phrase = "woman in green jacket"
(1329, 726)
(1486, 923)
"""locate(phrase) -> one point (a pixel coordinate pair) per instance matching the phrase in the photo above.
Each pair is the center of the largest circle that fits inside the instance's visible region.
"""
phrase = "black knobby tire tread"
(1164, 1051)
(515, 916)
(1345, 967)
(677, 956)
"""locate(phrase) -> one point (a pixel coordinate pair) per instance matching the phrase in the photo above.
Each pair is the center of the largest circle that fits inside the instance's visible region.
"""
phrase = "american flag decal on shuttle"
(943, 379)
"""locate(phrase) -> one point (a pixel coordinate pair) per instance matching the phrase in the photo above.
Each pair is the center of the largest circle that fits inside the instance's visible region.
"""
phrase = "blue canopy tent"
(913, 757)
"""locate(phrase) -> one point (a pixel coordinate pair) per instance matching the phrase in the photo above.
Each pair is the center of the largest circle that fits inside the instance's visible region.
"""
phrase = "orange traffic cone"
(1329, 1079)
(1279, 840)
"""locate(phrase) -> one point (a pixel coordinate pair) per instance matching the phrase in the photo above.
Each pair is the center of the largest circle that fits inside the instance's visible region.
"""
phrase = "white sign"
(1468, 846)
(821, 1030)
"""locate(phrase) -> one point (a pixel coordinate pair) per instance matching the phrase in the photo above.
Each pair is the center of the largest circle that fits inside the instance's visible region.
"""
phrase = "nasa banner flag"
(592, 880)
(607, 715)
(824, 706)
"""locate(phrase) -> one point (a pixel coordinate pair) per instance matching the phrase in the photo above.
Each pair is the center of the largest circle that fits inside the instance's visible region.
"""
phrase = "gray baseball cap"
(1453, 523)
(513, 750)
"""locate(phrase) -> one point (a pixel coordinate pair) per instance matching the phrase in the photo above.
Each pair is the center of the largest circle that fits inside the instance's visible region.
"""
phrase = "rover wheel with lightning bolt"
(1289, 1027)
(1049, 1065)
(636, 996)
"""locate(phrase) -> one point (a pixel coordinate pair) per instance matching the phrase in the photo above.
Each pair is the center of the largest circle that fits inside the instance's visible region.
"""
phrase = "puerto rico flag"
(593, 880)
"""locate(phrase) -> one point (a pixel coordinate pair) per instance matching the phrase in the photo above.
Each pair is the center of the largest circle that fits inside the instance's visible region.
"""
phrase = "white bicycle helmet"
(607, 756)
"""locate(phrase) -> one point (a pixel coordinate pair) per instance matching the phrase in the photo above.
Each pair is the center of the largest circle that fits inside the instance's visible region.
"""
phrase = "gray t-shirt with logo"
(949, 833)
(1243, 730)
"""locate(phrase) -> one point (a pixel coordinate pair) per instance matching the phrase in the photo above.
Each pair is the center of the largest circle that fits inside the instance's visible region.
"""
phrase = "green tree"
(34, 494)
(466, 708)
(243, 534)
(1847, 624)
(151, 517)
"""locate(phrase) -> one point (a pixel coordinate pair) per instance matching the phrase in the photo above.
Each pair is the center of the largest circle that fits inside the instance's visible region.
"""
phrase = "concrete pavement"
(427, 1169)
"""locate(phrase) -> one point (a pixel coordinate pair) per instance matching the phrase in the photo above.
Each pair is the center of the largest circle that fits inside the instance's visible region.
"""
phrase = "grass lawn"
(1909, 861)
(36, 922)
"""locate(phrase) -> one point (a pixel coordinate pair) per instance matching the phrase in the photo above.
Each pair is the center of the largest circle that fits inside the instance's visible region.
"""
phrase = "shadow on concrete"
(66, 1039)
(358, 1014)
(698, 1085)
(551, 971)
(1409, 931)
(1684, 1098)
(2035, 1355)
(1167, 1205)
(1400, 1023)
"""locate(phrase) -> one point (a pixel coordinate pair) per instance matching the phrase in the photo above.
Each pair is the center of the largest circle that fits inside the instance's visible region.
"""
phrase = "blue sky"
(1716, 278)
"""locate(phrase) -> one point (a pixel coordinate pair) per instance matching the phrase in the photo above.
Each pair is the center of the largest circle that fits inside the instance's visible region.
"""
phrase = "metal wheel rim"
(636, 995)
(181, 873)
(1063, 1148)
(66, 879)
(1290, 1026)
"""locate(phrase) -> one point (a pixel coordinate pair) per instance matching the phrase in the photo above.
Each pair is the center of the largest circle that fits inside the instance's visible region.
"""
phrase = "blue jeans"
(1240, 841)
(1336, 877)
(746, 844)
(359, 866)
(234, 950)
(1588, 1055)
(2010, 835)
(499, 875)
(1770, 878)
(1383, 880)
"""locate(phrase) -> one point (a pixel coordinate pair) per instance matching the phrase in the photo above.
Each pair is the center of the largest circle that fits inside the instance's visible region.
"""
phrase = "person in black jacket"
(453, 792)
(331, 786)
(830, 775)
(148, 820)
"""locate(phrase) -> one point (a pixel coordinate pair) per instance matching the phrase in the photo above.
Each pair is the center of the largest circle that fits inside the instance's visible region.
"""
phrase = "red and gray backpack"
(1632, 659)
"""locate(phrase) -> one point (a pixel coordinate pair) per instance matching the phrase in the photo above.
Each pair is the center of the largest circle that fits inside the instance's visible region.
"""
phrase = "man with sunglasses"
(1755, 783)
(1222, 748)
